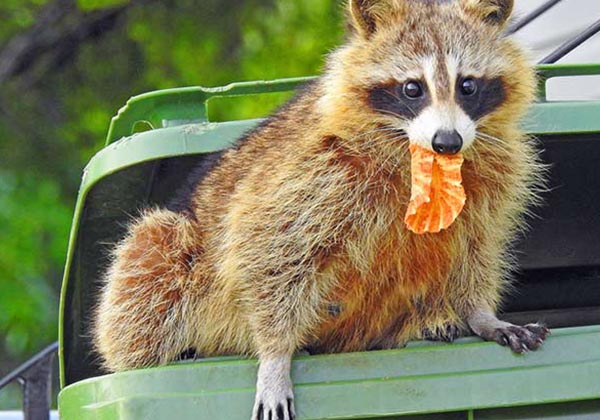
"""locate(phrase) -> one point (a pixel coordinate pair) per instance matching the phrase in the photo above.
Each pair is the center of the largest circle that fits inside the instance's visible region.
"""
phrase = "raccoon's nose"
(447, 142)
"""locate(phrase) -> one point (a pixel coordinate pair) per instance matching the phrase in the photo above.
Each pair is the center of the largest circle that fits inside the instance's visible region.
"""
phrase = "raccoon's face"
(438, 70)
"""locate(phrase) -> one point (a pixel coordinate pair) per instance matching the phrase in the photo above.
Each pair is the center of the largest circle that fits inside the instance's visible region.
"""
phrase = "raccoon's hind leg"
(142, 316)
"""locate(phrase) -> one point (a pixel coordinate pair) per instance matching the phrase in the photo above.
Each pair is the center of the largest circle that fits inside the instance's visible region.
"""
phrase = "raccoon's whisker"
(356, 147)
(483, 133)
(491, 152)
(475, 153)
(384, 164)
(411, 111)
(398, 163)
(490, 137)
(485, 144)
(389, 141)
(478, 161)
(403, 153)
(367, 144)
(394, 114)
(377, 130)
(393, 95)
(377, 170)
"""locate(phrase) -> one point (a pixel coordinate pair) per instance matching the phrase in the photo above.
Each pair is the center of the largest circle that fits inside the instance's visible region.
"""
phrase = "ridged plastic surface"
(468, 379)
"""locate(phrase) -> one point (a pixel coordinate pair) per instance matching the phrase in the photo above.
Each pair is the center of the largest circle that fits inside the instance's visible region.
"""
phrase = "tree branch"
(57, 33)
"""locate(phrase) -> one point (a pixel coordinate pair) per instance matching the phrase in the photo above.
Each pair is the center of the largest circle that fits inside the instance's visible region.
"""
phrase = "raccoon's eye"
(468, 86)
(412, 89)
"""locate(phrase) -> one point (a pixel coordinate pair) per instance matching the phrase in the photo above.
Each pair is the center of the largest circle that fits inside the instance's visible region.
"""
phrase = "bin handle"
(190, 103)
(549, 71)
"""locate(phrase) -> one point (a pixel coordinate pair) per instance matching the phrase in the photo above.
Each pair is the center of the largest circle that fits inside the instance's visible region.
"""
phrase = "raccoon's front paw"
(274, 404)
(274, 409)
(448, 333)
(521, 339)
(274, 395)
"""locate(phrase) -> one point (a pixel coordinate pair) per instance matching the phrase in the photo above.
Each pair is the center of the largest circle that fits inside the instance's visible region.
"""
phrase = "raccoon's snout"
(447, 142)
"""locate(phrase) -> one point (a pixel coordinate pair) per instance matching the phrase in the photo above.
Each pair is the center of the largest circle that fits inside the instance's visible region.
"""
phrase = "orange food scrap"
(437, 195)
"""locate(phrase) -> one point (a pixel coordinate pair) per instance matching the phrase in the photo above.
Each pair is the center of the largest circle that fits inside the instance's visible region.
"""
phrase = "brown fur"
(308, 213)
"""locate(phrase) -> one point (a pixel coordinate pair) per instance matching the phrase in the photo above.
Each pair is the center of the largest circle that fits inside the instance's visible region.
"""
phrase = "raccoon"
(295, 238)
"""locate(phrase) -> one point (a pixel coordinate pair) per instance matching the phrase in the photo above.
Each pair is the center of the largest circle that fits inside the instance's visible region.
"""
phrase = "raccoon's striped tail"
(142, 316)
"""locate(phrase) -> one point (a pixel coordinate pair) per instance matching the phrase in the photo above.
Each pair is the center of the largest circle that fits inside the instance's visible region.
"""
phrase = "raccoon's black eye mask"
(476, 96)
(479, 96)
(404, 100)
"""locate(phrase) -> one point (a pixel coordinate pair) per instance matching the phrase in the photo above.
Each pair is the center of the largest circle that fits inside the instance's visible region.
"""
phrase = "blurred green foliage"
(17, 14)
(99, 4)
(55, 109)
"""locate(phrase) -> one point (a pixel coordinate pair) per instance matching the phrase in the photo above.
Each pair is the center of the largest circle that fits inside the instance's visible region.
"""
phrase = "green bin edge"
(204, 137)
(422, 378)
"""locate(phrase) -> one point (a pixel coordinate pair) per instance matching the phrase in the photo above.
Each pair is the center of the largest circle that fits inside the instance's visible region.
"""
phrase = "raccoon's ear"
(495, 12)
(366, 16)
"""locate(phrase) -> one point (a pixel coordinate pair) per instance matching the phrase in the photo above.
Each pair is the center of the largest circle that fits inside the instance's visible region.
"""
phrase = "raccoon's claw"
(448, 333)
(521, 339)
(282, 410)
(274, 394)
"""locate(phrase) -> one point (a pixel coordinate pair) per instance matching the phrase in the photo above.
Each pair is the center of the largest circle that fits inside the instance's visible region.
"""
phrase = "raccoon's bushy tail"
(142, 316)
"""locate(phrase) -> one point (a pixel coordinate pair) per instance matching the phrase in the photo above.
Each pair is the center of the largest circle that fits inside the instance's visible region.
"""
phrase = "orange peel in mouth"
(437, 195)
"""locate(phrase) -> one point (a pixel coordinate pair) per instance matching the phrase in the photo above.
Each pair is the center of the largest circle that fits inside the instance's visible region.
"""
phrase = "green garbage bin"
(468, 379)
